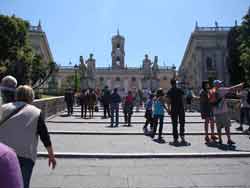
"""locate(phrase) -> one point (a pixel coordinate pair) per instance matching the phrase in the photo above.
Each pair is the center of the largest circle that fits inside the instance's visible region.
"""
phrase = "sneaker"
(214, 138)
(230, 142)
(183, 141)
(207, 140)
(220, 142)
(175, 141)
(240, 128)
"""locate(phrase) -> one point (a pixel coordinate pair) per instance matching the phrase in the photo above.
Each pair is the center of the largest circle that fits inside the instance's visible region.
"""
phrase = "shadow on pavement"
(180, 144)
(159, 141)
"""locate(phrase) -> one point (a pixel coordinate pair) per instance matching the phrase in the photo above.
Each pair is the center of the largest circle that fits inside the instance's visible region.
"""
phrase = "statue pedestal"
(88, 83)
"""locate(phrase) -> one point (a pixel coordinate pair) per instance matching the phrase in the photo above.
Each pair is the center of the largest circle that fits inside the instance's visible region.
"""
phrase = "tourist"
(128, 108)
(175, 98)
(220, 109)
(158, 113)
(137, 101)
(92, 101)
(106, 98)
(84, 103)
(189, 98)
(8, 89)
(115, 101)
(206, 111)
(21, 125)
(244, 108)
(10, 172)
(69, 99)
(149, 114)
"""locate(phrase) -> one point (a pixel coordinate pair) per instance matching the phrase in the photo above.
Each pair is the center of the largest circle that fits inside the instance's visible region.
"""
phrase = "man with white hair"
(8, 89)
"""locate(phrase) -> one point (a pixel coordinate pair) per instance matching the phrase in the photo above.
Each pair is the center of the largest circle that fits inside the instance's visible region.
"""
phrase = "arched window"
(209, 63)
(118, 59)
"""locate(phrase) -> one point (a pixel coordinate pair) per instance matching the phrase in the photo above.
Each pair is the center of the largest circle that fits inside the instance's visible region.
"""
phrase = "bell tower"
(118, 51)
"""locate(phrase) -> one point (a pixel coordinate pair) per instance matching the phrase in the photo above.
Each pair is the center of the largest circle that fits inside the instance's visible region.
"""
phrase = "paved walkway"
(119, 154)
(143, 173)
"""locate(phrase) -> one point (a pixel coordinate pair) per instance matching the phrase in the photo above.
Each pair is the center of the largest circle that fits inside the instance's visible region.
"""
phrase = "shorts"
(222, 120)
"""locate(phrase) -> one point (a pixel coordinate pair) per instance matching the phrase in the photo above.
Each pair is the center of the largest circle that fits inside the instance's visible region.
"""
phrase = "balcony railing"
(161, 68)
(213, 29)
(35, 29)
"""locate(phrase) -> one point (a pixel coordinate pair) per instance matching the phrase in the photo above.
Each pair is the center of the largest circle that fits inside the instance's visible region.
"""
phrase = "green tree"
(244, 46)
(239, 51)
(235, 69)
(17, 57)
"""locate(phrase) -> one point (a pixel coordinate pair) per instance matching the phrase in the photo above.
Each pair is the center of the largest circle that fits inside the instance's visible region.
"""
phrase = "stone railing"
(233, 107)
(50, 106)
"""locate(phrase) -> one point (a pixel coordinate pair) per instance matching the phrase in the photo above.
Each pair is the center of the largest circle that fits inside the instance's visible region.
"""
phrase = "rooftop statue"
(82, 68)
(146, 66)
(91, 70)
(155, 67)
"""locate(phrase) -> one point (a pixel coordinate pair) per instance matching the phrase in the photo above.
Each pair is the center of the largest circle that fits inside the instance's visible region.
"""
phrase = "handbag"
(11, 114)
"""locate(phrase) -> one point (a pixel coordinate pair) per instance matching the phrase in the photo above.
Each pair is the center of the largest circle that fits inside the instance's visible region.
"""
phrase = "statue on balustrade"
(155, 83)
(91, 72)
(146, 66)
(83, 74)
(155, 67)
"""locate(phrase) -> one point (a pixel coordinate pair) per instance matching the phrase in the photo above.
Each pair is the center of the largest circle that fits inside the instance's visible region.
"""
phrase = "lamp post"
(75, 68)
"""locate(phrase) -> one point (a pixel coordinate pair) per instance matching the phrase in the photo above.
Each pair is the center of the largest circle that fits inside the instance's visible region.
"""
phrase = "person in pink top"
(220, 109)
(10, 173)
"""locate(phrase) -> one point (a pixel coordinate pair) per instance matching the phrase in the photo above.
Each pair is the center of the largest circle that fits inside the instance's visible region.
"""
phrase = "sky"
(154, 27)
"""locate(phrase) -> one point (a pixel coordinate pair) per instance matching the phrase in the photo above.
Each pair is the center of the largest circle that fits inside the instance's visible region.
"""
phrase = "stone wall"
(50, 106)
(233, 107)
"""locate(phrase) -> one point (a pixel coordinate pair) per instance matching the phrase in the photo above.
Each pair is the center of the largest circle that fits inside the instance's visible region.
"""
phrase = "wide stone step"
(138, 145)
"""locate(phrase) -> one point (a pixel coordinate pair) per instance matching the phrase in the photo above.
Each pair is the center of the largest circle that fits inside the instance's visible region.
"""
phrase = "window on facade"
(118, 79)
(133, 79)
(118, 59)
(101, 79)
(165, 78)
(209, 63)
(118, 46)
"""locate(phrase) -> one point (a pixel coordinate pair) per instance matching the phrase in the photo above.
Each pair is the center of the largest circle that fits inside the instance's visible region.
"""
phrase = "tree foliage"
(239, 51)
(17, 58)
(235, 69)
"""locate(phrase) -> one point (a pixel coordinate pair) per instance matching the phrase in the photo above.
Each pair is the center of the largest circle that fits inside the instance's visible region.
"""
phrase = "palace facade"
(149, 76)
(205, 57)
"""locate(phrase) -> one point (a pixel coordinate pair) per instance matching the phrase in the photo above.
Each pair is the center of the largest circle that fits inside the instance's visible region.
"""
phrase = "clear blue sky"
(156, 27)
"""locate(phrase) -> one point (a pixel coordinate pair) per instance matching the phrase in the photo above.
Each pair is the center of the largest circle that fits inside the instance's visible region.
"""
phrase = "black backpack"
(248, 97)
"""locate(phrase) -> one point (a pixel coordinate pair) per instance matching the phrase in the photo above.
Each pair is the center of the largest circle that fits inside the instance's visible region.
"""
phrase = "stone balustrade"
(50, 106)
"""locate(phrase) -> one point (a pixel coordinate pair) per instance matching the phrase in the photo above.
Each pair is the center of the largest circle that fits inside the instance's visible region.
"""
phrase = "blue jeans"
(26, 169)
(115, 111)
(156, 119)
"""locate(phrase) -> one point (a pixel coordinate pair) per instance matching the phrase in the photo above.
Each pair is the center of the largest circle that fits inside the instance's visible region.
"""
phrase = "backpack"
(248, 97)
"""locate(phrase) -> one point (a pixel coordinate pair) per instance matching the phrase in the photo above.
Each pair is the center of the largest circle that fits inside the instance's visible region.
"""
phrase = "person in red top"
(128, 108)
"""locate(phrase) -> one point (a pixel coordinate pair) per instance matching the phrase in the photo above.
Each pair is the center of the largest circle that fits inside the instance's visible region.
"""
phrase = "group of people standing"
(214, 109)
(155, 111)
(87, 99)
